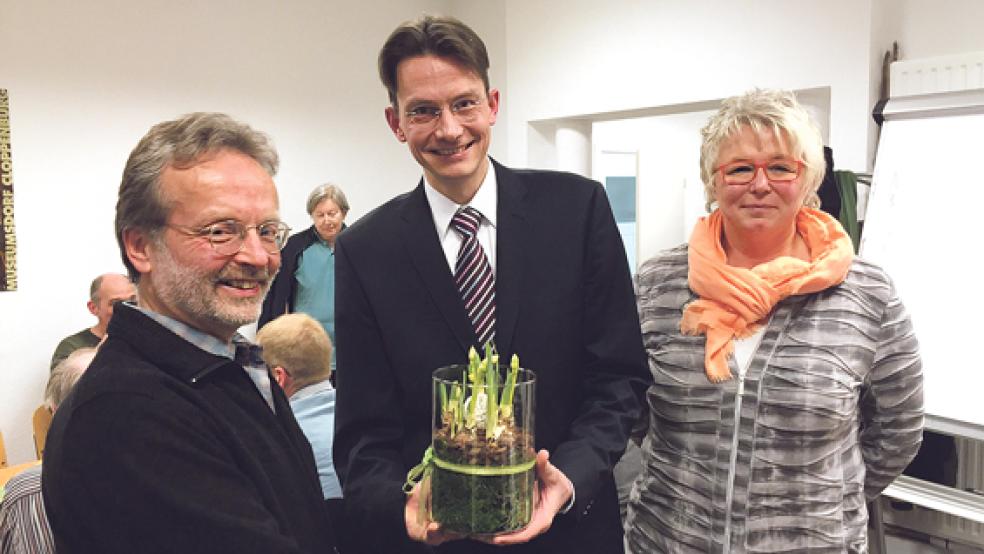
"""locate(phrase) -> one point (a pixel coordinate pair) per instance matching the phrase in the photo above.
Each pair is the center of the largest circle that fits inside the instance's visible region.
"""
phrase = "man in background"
(105, 291)
(174, 439)
(24, 525)
(477, 252)
(297, 350)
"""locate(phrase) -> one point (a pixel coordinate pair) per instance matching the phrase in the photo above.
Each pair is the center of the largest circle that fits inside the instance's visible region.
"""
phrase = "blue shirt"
(315, 294)
(239, 349)
(314, 410)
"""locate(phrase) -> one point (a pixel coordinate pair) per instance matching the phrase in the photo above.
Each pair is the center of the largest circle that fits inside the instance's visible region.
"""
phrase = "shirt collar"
(311, 390)
(443, 208)
(202, 340)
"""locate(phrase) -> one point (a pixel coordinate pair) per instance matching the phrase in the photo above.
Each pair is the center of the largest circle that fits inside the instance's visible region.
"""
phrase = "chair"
(3, 452)
(42, 421)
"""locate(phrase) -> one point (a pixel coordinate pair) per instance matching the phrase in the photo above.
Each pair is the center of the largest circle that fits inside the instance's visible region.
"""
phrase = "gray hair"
(179, 143)
(778, 111)
(64, 376)
(330, 192)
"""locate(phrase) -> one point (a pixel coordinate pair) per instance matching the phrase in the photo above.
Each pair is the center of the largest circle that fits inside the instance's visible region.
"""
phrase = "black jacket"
(163, 447)
(280, 299)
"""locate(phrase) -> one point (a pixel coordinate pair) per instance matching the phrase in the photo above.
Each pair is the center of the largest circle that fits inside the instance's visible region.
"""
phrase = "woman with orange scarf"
(787, 380)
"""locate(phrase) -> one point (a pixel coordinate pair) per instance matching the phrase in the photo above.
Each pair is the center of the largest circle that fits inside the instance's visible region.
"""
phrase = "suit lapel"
(512, 228)
(424, 247)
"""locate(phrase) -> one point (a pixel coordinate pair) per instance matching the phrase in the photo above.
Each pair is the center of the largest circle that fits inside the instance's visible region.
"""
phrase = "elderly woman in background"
(788, 385)
(306, 282)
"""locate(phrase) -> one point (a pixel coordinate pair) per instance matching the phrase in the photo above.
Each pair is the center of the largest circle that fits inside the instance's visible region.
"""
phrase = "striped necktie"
(473, 275)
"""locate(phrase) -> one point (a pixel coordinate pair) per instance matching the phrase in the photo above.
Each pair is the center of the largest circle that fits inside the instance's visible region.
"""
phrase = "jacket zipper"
(733, 464)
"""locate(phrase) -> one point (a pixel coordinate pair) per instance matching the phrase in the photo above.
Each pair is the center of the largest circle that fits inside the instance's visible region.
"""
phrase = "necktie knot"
(466, 221)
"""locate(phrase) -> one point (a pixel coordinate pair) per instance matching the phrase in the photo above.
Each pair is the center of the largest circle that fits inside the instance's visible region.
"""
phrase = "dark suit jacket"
(564, 303)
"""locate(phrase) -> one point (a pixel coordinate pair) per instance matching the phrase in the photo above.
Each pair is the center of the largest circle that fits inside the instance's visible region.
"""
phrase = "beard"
(192, 291)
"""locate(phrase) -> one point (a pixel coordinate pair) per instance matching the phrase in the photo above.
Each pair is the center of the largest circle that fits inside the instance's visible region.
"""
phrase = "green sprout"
(492, 404)
(509, 388)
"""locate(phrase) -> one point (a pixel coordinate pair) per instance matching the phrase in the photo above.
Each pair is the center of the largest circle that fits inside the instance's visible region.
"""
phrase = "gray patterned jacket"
(829, 413)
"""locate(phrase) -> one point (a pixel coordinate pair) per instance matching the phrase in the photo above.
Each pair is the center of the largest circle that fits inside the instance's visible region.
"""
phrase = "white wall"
(86, 81)
(928, 28)
(600, 57)
(668, 150)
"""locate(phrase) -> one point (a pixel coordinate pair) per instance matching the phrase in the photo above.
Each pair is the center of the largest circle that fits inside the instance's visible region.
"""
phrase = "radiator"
(940, 74)
(970, 476)
(943, 527)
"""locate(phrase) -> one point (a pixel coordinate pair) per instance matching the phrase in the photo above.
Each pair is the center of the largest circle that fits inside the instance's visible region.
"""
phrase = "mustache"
(245, 273)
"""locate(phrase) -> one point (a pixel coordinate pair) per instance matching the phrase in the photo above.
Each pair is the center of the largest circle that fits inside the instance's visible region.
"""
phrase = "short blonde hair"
(778, 111)
(300, 345)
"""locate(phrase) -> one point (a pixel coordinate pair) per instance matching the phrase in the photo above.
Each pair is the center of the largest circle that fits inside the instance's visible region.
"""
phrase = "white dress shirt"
(443, 209)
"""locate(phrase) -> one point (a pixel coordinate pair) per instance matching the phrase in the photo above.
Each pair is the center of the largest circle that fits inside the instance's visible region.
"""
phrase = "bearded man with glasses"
(176, 440)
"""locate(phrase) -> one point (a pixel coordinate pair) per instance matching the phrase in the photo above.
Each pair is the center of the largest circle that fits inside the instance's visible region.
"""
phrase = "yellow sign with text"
(8, 237)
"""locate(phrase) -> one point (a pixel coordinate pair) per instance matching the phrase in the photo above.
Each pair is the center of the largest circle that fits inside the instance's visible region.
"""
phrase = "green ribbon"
(420, 471)
(484, 471)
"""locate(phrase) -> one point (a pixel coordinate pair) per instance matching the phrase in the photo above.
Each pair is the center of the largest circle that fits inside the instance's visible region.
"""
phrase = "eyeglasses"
(776, 171)
(464, 110)
(228, 237)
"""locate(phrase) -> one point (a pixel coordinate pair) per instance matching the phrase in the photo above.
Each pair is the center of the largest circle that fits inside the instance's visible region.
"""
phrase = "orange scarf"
(733, 299)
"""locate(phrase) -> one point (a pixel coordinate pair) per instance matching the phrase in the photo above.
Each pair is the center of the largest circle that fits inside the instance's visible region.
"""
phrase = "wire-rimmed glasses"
(227, 237)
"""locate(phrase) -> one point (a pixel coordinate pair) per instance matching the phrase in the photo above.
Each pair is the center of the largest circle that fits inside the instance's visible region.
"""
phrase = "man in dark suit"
(556, 291)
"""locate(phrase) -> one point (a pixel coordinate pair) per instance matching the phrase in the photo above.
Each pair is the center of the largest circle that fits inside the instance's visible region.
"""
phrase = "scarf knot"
(733, 299)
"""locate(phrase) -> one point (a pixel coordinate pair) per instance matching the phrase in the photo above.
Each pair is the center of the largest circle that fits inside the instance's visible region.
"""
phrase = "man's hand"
(554, 490)
(417, 518)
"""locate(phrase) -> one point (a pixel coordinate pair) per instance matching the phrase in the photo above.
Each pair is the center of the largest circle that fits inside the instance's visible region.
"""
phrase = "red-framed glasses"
(742, 172)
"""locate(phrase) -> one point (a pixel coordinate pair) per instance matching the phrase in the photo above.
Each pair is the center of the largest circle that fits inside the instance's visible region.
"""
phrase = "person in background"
(105, 291)
(297, 350)
(787, 379)
(24, 527)
(306, 282)
(543, 273)
(175, 440)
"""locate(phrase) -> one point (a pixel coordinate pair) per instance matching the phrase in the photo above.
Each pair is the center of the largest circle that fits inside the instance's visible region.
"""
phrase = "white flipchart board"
(925, 227)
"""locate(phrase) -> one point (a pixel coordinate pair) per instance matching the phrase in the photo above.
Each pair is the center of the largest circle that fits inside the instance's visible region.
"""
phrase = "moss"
(482, 505)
